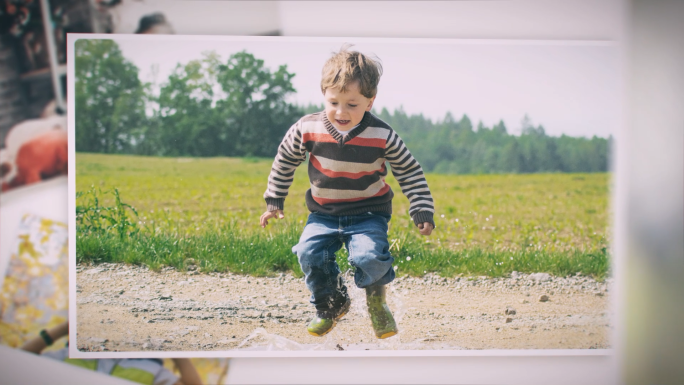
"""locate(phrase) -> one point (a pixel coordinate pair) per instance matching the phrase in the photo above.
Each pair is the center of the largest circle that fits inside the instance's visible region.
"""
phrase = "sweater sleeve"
(291, 153)
(409, 174)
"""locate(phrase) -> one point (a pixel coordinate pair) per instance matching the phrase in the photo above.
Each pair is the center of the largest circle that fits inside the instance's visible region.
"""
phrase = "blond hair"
(346, 67)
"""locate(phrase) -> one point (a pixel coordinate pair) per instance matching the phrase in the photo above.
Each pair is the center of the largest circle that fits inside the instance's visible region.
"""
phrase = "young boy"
(349, 200)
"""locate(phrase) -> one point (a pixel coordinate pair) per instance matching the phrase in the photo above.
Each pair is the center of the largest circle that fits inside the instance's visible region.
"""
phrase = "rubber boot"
(324, 322)
(380, 314)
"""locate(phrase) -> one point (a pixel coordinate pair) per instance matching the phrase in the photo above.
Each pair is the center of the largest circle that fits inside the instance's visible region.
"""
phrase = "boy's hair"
(346, 66)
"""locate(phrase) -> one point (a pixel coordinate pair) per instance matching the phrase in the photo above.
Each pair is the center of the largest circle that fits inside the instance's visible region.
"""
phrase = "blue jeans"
(365, 237)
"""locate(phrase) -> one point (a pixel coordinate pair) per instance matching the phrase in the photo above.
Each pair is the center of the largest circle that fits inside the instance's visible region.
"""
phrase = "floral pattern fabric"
(35, 295)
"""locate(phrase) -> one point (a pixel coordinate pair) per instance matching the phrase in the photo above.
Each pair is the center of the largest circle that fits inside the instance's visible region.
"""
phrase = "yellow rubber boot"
(322, 324)
(380, 314)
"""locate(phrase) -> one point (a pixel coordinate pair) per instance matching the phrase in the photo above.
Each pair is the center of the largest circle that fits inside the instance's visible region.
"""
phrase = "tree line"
(456, 147)
(238, 108)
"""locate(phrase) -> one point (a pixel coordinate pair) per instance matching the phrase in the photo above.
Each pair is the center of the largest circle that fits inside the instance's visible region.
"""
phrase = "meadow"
(203, 213)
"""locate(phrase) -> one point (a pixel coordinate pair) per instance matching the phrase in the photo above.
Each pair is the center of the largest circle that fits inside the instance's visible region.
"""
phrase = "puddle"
(261, 340)
(336, 340)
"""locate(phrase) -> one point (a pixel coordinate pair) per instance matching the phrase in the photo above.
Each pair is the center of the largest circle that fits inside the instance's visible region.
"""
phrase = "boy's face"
(345, 109)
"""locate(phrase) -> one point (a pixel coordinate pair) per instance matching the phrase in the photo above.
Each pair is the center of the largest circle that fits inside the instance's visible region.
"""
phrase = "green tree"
(189, 122)
(255, 110)
(110, 99)
(234, 108)
(453, 147)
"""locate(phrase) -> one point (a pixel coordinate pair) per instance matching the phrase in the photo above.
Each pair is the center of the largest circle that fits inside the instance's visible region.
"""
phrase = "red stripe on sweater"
(356, 141)
(367, 142)
(324, 201)
(341, 174)
(321, 138)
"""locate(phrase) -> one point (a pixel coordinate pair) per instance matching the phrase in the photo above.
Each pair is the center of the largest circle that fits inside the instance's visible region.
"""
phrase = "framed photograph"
(186, 147)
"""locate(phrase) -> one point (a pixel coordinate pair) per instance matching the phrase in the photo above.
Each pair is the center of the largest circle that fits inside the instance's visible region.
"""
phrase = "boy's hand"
(425, 228)
(270, 214)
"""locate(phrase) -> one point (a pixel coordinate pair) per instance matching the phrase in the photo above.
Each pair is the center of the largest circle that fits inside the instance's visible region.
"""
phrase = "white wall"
(521, 19)
(202, 17)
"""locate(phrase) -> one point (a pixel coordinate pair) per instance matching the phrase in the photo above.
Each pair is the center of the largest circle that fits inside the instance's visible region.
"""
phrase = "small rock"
(509, 320)
(543, 298)
(509, 311)
(540, 277)
(524, 301)
(599, 294)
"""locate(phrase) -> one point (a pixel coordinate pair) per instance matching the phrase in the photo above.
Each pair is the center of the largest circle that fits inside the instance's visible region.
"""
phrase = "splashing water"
(262, 340)
(272, 342)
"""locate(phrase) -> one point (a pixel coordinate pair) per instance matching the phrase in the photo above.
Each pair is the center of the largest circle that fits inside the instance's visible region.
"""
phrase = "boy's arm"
(409, 174)
(291, 153)
(188, 372)
(37, 344)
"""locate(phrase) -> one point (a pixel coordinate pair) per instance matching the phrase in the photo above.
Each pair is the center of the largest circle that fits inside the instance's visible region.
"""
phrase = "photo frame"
(496, 317)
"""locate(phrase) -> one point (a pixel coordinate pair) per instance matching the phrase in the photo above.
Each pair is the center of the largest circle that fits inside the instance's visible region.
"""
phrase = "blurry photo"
(261, 196)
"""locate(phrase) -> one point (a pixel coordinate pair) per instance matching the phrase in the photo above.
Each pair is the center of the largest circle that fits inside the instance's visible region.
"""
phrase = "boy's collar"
(342, 139)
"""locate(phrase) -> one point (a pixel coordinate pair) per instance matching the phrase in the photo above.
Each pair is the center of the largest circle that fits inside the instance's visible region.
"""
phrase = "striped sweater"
(347, 172)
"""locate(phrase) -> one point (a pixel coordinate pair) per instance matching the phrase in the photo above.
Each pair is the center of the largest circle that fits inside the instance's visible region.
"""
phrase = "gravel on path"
(131, 308)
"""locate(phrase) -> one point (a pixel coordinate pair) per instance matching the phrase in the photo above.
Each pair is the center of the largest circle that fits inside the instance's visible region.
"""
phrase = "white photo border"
(73, 346)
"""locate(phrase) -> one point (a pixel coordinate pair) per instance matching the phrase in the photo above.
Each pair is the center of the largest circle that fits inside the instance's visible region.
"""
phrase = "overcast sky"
(569, 88)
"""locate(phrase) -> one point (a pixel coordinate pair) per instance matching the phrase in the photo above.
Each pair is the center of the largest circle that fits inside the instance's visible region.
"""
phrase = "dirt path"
(126, 308)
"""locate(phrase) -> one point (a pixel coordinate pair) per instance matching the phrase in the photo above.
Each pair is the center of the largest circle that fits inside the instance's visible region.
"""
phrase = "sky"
(569, 88)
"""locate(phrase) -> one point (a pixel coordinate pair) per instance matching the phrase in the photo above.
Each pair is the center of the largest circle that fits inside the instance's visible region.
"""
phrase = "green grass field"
(206, 212)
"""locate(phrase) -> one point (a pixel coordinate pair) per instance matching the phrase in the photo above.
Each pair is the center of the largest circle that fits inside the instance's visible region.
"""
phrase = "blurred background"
(648, 162)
